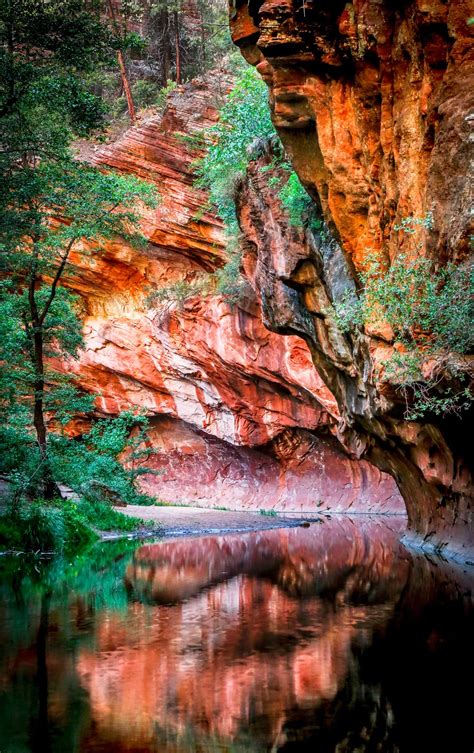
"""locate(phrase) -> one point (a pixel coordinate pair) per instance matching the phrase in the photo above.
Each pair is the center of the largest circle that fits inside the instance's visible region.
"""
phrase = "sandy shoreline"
(176, 521)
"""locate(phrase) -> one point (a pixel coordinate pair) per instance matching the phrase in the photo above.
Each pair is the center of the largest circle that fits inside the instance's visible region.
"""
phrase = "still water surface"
(328, 638)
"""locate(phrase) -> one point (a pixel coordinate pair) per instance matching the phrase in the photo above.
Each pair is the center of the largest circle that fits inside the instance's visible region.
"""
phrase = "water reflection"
(329, 638)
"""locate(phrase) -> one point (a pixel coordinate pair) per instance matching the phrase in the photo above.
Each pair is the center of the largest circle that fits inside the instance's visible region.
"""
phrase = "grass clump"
(59, 526)
(45, 527)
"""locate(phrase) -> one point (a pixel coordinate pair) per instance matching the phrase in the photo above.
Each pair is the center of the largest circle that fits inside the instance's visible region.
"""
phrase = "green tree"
(244, 124)
(44, 46)
(50, 203)
(49, 210)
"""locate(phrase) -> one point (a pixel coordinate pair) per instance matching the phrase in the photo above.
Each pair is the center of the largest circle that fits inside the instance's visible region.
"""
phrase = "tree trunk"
(165, 47)
(40, 732)
(126, 87)
(35, 333)
(49, 487)
(123, 68)
(178, 52)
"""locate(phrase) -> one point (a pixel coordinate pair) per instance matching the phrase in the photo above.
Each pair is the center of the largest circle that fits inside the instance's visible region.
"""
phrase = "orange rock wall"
(240, 415)
(371, 100)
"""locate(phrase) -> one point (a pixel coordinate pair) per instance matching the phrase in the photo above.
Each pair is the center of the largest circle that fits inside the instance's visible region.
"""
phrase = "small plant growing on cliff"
(430, 312)
(298, 204)
(227, 281)
(244, 121)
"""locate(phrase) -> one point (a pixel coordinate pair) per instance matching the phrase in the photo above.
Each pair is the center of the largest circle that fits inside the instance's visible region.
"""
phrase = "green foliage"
(242, 133)
(244, 124)
(160, 98)
(145, 93)
(177, 293)
(416, 300)
(50, 206)
(60, 526)
(46, 211)
(295, 201)
(430, 311)
(244, 121)
(44, 47)
(229, 280)
(91, 465)
(39, 526)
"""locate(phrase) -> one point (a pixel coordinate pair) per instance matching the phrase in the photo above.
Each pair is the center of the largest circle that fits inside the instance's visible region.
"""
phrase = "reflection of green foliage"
(65, 595)
(191, 739)
(96, 572)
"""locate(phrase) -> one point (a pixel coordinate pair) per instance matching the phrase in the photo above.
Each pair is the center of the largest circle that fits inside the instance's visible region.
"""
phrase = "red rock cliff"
(240, 415)
(371, 99)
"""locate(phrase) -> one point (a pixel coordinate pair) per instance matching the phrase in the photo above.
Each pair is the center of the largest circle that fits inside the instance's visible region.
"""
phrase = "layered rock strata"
(372, 102)
(240, 416)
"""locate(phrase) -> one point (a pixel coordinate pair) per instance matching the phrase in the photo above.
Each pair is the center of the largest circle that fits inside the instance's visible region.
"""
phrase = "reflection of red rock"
(318, 558)
(236, 385)
(204, 666)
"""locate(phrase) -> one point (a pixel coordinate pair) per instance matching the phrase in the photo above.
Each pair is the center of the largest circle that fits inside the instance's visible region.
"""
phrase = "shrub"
(295, 200)
(92, 465)
(425, 306)
(61, 525)
(244, 121)
(430, 312)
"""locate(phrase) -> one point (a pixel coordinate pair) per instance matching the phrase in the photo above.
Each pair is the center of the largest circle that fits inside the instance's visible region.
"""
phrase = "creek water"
(327, 638)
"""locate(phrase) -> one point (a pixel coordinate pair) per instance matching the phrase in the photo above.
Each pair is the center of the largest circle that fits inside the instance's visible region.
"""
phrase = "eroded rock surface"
(372, 101)
(240, 415)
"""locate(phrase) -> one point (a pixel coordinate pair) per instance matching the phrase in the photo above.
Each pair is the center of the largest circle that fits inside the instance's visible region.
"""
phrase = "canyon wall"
(373, 102)
(240, 416)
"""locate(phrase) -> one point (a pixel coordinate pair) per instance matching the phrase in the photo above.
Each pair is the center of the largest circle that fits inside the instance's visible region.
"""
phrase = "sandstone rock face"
(240, 415)
(297, 471)
(372, 101)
